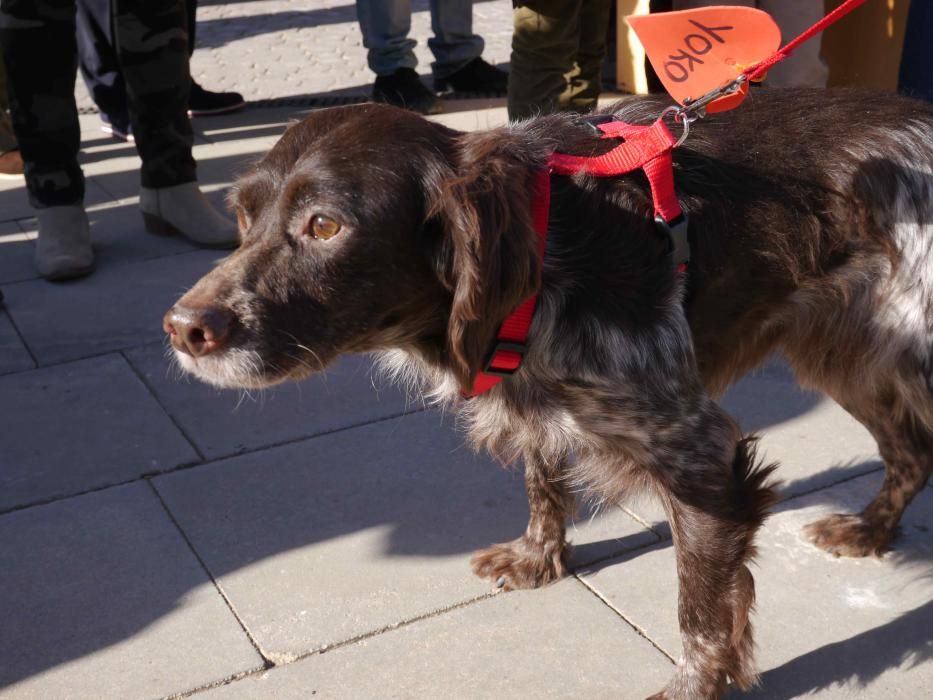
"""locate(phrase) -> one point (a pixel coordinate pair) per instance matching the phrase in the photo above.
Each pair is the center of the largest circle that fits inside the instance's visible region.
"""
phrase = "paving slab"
(14, 357)
(815, 441)
(17, 253)
(556, 642)
(227, 422)
(119, 306)
(81, 426)
(219, 164)
(102, 598)
(14, 203)
(826, 627)
(264, 124)
(325, 540)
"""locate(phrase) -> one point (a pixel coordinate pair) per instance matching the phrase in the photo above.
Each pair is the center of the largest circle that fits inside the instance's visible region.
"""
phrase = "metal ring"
(680, 117)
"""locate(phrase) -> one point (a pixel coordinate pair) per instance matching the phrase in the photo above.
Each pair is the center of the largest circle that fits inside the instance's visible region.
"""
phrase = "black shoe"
(404, 89)
(475, 76)
(117, 126)
(203, 103)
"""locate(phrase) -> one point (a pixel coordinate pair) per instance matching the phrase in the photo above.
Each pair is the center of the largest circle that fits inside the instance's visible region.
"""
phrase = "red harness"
(645, 147)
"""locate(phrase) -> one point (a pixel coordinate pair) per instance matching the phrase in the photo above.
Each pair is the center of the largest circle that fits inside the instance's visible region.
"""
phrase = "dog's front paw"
(849, 536)
(522, 563)
(685, 686)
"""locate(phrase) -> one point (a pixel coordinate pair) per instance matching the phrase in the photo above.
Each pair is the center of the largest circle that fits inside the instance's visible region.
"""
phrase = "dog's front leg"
(540, 555)
(716, 499)
(685, 447)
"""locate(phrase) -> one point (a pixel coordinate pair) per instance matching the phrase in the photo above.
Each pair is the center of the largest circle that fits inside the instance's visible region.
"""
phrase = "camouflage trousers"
(40, 53)
(557, 52)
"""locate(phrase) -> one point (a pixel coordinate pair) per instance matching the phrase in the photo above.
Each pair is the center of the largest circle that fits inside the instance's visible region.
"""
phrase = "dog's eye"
(324, 227)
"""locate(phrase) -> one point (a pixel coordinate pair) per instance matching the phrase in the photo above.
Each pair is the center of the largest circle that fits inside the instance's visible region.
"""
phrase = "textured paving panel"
(14, 356)
(322, 541)
(227, 422)
(826, 627)
(80, 426)
(814, 440)
(103, 599)
(117, 307)
(17, 251)
(557, 642)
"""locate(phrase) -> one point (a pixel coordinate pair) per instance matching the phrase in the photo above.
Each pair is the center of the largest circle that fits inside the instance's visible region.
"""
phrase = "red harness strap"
(645, 147)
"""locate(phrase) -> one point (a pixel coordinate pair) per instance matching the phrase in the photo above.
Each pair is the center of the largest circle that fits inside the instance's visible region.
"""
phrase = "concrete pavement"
(159, 538)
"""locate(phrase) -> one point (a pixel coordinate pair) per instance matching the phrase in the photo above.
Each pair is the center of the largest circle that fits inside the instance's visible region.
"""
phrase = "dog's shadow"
(904, 642)
(850, 665)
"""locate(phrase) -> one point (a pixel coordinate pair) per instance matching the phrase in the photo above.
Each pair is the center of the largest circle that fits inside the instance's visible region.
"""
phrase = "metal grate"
(321, 101)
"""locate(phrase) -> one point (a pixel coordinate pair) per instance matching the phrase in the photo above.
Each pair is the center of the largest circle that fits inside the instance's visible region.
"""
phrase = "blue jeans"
(385, 25)
(916, 74)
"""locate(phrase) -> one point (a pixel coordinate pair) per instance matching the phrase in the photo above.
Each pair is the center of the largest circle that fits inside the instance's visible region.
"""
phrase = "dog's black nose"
(197, 332)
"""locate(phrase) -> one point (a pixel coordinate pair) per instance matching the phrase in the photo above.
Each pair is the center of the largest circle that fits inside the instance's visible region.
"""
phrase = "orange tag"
(695, 51)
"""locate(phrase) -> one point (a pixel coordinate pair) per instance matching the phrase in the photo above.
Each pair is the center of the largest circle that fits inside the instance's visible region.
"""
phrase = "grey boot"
(63, 249)
(183, 210)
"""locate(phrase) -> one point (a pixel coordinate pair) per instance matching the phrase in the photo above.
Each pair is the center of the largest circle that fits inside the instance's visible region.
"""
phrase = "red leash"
(761, 68)
(696, 108)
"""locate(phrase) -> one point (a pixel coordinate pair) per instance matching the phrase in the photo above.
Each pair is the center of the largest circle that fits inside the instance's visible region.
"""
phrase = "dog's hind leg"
(906, 446)
(540, 555)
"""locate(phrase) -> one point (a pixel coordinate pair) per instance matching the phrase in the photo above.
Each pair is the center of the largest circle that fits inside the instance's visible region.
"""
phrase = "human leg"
(545, 42)
(385, 25)
(152, 44)
(805, 67)
(201, 102)
(100, 69)
(584, 81)
(453, 42)
(39, 51)
(11, 162)
(916, 78)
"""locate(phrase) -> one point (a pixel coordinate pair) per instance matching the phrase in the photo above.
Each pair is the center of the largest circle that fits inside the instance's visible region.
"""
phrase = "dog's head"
(365, 228)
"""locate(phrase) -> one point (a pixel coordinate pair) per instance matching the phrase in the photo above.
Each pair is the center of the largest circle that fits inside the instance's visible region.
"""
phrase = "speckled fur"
(811, 223)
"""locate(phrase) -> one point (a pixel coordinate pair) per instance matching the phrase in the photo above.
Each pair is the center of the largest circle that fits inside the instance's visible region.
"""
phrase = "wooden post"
(630, 56)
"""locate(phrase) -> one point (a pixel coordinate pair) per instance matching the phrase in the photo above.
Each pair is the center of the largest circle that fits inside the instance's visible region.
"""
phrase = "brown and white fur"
(812, 226)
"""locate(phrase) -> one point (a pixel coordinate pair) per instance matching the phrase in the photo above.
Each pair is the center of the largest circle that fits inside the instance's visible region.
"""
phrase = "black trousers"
(97, 54)
(38, 39)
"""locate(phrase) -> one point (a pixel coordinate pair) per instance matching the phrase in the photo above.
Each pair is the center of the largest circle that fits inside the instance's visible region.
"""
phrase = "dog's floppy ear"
(488, 256)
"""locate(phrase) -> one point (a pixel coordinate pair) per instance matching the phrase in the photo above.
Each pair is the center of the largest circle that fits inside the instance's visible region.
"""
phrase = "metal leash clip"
(698, 106)
(693, 110)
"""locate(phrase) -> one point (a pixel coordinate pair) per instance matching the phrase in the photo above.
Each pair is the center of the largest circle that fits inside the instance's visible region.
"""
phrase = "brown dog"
(370, 229)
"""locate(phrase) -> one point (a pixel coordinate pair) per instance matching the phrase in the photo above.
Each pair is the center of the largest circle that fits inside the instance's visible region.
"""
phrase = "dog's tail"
(754, 493)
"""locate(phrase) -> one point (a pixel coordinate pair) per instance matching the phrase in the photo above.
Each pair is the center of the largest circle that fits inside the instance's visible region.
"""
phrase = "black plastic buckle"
(509, 346)
(677, 234)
